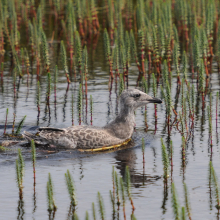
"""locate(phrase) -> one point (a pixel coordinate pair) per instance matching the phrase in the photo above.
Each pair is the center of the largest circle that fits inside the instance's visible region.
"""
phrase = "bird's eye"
(136, 95)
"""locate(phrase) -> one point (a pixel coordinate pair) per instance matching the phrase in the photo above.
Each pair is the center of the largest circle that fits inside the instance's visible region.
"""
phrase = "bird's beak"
(154, 100)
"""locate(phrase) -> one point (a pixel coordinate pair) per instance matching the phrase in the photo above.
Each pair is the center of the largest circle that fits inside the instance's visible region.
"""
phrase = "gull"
(91, 138)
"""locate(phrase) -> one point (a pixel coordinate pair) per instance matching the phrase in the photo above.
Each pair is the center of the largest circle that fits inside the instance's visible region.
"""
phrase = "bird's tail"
(37, 139)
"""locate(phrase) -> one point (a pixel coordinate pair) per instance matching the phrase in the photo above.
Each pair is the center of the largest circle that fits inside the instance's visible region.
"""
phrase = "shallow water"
(92, 172)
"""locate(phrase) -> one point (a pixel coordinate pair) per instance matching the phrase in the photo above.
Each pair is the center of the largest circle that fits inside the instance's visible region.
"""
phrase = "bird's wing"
(92, 137)
(81, 137)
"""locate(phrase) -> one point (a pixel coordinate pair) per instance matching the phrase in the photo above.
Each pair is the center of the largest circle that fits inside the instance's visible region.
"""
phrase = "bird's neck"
(127, 114)
(123, 126)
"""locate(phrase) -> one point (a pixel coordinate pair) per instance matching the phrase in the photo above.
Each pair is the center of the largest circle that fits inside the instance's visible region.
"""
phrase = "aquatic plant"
(71, 188)
(6, 119)
(117, 186)
(133, 217)
(214, 180)
(33, 153)
(93, 211)
(143, 149)
(108, 55)
(45, 51)
(165, 160)
(64, 61)
(38, 96)
(80, 97)
(183, 214)
(91, 108)
(72, 109)
(101, 206)
(87, 216)
(20, 172)
(20, 125)
(128, 186)
(50, 195)
(121, 86)
(48, 88)
(75, 217)
(216, 111)
(187, 204)
(112, 200)
(122, 189)
(2, 149)
(175, 202)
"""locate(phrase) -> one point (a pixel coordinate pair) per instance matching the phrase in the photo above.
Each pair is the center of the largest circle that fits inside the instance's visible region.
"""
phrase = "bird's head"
(134, 98)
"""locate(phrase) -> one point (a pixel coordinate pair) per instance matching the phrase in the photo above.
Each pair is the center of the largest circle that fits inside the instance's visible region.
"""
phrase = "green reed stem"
(71, 188)
(20, 125)
(38, 95)
(45, 51)
(91, 108)
(112, 200)
(183, 214)
(175, 203)
(128, 186)
(13, 124)
(20, 171)
(72, 109)
(101, 206)
(48, 87)
(185, 66)
(165, 160)
(75, 217)
(216, 111)
(117, 188)
(215, 184)
(187, 203)
(121, 85)
(133, 217)
(122, 188)
(93, 211)
(87, 216)
(50, 195)
(64, 61)
(80, 98)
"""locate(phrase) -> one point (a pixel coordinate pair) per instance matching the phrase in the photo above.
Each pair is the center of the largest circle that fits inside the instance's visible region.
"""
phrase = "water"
(92, 172)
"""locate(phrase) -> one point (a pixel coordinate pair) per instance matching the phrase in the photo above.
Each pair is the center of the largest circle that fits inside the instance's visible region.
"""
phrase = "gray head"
(133, 98)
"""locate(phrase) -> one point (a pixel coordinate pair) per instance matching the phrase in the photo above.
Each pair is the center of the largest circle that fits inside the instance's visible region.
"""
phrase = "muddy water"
(92, 172)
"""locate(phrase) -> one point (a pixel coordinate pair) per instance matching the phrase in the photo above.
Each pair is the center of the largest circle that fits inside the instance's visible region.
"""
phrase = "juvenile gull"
(117, 132)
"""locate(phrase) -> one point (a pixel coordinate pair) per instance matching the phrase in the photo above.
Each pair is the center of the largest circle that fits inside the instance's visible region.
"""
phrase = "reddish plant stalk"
(155, 113)
(216, 113)
(6, 119)
(13, 125)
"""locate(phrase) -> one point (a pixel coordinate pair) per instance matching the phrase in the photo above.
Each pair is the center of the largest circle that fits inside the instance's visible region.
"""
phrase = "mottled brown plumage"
(90, 137)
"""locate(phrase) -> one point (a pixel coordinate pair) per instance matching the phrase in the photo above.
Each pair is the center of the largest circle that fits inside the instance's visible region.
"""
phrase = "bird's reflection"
(128, 157)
